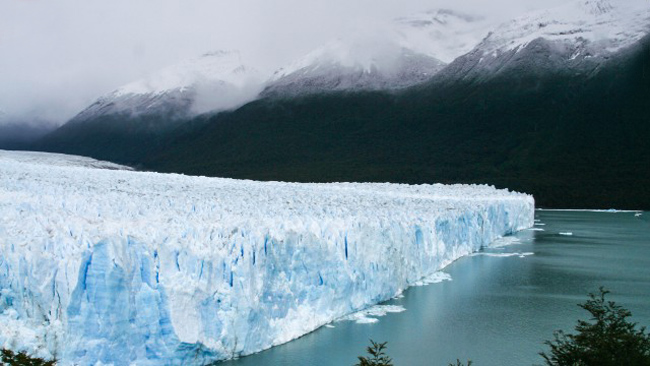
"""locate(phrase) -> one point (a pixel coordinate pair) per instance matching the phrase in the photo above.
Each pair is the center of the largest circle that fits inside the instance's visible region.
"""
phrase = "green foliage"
(22, 359)
(608, 340)
(377, 356)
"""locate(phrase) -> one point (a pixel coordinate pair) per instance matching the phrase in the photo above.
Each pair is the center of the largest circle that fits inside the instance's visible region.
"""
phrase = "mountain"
(214, 81)
(588, 28)
(19, 134)
(577, 37)
(341, 66)
(130, 121)
(442, 33)
(16, 135)
(530, 120)
(413, 50)
(560, 111)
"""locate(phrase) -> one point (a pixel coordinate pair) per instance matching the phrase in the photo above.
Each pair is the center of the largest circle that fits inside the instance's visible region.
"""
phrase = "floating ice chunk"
(503, 242)
(436, 277)
(566, 233)
(535, 229)
(370, 315)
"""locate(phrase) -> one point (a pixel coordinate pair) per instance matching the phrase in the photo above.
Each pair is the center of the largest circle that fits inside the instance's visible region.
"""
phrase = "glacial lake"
(500, 304)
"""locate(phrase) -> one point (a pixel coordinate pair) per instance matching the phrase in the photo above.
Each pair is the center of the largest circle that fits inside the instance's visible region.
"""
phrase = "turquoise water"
(499, 307)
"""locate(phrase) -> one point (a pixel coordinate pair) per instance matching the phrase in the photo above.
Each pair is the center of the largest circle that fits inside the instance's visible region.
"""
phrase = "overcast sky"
(57, 56)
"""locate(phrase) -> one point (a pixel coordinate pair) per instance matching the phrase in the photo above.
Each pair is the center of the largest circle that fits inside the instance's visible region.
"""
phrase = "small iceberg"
(370, 315)
(436, 277)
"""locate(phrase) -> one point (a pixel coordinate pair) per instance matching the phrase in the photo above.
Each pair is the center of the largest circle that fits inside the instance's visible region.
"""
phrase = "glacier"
(100, 264)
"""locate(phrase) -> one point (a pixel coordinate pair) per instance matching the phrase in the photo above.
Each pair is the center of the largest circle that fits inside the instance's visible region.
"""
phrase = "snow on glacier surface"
(110, 266)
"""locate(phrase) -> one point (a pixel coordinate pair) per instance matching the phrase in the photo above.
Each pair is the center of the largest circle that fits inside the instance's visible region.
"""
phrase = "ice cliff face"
(214, 81)
(105, 265)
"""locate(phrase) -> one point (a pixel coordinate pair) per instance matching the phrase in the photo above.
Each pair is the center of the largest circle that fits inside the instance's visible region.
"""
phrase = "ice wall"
(121, 267)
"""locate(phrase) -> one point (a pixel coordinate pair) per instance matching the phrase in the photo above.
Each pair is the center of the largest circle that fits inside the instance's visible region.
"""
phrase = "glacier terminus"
(100, 264)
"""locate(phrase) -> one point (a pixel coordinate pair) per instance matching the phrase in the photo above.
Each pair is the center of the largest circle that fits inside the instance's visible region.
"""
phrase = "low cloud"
(57, 57)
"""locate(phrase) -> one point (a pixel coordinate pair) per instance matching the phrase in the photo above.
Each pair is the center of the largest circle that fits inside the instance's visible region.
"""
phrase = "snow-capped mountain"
(348, 66)
(577, 40)
(575, 37)
(592, 27)
(214, 81)
(413, 50)
(442, 33)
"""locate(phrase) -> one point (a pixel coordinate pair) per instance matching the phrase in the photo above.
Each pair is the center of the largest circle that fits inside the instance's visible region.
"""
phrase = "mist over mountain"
(443, 33)
(134, 118)
(554, 103)
(323, 73)
(18, 134)
(410, 52)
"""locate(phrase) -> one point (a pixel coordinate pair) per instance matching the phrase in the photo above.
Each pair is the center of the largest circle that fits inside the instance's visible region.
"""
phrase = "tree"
(608, 340)
(22, 359)
(378, 356)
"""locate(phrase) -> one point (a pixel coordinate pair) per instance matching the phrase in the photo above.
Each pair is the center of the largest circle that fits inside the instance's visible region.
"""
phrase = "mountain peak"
(211, 82)
(362, 55)
(217, 66)
(444, 16)
(354, 65)
(598, 7)
(442, 33)
(605, 26)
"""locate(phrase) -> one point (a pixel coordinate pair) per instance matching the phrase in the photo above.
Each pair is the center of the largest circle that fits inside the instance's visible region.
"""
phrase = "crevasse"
(106, 266)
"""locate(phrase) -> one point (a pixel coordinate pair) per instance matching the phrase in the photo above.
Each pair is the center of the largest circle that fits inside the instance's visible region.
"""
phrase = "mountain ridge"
(572, 140)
